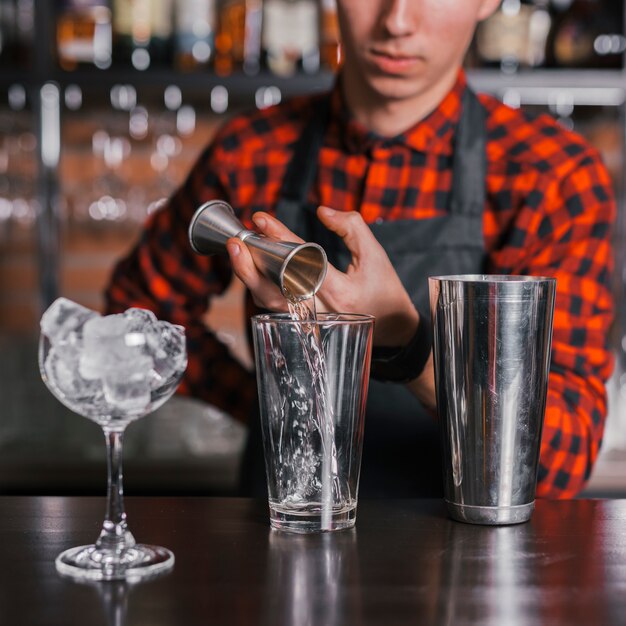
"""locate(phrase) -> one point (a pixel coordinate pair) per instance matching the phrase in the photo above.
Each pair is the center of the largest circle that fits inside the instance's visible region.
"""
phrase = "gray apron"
(401, 452)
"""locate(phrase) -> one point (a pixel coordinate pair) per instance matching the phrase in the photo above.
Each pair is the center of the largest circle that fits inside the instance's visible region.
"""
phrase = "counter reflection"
(114, 596)
(499, 575)
(312, 579)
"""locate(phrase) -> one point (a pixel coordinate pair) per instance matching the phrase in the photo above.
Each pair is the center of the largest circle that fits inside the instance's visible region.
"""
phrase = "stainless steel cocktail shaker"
(492, 343)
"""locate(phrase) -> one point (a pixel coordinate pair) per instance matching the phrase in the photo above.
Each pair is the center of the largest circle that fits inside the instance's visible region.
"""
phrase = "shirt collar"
(433, 134)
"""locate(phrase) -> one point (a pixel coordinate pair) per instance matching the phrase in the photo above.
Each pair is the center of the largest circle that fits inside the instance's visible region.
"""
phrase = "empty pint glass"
(492, 338)
(312, 378)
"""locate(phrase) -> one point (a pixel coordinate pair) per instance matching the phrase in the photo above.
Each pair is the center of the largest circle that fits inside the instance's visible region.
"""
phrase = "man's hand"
(370, 284)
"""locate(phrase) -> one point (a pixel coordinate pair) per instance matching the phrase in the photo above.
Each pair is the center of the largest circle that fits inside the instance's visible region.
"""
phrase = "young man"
(425, 178)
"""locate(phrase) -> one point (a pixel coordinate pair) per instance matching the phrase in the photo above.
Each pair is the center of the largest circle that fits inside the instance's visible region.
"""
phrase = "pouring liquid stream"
(322, 417)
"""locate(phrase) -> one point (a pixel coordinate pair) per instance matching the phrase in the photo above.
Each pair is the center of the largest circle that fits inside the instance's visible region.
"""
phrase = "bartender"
(400, 172)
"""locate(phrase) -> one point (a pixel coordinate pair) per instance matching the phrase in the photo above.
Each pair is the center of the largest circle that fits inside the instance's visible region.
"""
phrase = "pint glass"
(312, 381)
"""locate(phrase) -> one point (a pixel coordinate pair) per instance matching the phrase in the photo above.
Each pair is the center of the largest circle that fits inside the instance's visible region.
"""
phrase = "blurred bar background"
(105, 105)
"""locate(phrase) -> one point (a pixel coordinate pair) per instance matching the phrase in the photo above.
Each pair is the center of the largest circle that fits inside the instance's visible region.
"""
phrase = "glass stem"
(115, 535)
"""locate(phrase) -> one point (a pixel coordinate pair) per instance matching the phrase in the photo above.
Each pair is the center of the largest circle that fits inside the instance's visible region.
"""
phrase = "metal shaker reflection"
(546, 572)
(492, 340)
(477, 589)
(307, 578)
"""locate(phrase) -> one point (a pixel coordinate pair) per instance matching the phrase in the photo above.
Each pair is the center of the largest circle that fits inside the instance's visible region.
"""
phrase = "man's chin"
(397, 87)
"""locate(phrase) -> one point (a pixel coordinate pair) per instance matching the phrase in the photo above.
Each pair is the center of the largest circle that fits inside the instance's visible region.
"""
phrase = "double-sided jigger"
(297, 268)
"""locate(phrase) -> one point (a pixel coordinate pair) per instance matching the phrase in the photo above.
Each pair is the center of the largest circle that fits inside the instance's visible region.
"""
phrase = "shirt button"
(379, 220)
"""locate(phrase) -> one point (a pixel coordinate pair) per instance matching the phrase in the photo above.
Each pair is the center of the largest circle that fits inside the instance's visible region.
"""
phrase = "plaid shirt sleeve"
(563, 230)
(163, 274)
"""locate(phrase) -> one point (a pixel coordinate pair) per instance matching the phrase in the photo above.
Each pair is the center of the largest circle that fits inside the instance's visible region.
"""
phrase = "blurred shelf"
(238, 85)
(548, 78)
(581, 87)
(11, 76)
(535, 87)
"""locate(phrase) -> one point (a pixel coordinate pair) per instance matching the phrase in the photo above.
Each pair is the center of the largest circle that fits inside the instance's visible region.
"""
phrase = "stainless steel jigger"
(297, 268)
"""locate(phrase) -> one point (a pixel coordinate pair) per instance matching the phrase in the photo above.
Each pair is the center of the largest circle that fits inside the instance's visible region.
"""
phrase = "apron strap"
(469, 165)
(302, 170)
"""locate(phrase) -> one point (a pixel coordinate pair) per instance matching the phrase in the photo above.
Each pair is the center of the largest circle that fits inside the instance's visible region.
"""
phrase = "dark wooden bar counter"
(404, 563)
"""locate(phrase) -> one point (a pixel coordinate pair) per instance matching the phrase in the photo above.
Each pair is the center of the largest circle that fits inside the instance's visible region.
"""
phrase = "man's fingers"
(242, 263)
(351, 227)
(272, 227)
(265, 293)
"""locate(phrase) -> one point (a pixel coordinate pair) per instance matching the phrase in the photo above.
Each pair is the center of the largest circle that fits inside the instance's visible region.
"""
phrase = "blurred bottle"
(514, 36)
(587, 33)
(330, 47)
(143, 32)
(25, 31)
(8, 31)
(195, 33)
(16, 32)
(291, 36)
(238, 41)
(84, 34)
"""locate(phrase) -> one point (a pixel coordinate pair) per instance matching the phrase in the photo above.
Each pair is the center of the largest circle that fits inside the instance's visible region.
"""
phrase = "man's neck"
(390, 117)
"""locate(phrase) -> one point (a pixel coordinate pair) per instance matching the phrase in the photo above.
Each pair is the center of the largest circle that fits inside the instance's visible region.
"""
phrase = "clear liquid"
(321, 410)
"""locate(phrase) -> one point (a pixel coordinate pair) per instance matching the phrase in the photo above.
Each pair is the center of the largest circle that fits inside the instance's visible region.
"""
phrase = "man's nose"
(399, 17)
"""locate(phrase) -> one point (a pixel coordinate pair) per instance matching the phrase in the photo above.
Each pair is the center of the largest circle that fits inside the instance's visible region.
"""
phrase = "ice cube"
(110, 354)
(63, 317)
(142, 327)
(127, 387)
(109, 326)
(140, 319)
(61, 369)
(107, 345)
(134, 340)
(166, 345)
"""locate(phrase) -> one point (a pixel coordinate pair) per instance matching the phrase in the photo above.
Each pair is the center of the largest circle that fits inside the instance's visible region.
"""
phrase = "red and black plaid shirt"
(549, 212)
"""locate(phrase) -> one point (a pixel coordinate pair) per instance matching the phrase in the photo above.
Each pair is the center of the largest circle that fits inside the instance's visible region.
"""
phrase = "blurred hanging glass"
(18, 161)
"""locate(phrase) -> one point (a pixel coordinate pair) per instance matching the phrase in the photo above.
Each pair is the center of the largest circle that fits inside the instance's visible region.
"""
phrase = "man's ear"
(486, 8)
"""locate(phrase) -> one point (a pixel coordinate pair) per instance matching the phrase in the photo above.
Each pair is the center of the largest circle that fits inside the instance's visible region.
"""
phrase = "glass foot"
(136, 563)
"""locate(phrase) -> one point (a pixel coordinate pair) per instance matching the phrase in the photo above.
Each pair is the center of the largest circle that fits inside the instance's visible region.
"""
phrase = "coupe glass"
(112, 379)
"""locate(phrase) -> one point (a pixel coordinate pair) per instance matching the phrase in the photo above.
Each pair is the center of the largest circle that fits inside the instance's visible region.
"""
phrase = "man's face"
(401, 48)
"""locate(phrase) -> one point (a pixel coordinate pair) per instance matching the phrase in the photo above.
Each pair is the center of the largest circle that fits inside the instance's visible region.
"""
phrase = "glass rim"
(492, 278)
(322, 318)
